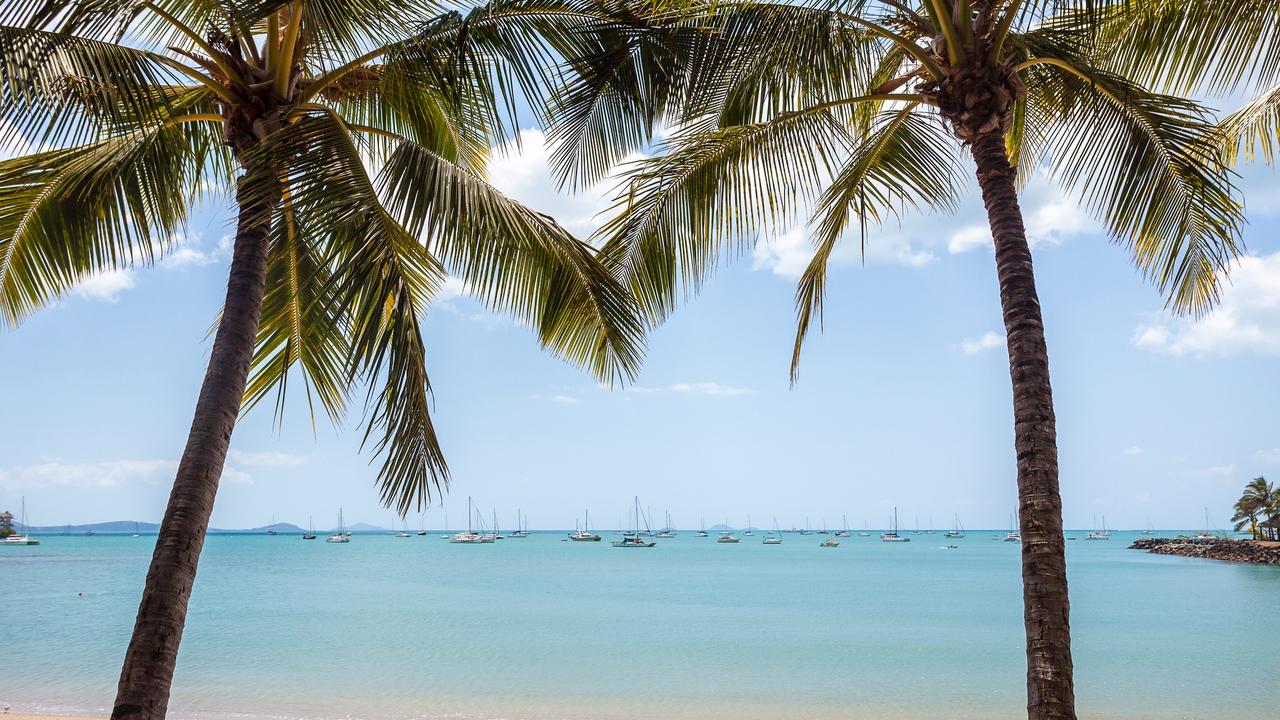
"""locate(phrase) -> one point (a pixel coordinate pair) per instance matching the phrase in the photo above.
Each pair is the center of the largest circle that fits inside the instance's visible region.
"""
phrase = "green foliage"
(786, 94)
(369, 169)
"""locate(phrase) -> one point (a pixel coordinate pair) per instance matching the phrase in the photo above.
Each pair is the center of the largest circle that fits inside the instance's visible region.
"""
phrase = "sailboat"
(634, 538)
(271, 529)
(1014, 535)
(957, 530)
(865, 532)
(584, 534)
(1148, 530)
(422, 523)
(1099, 534)
(892, 535)
(702, 524)
(1206, 533)
(310, 534)
(747, 532)
(917, 530)
(495, 533)
(135, 530)
(668, 531)
(775, 535)
(845, 531)
(468, 537)
(930, 530)
(445, 535)
(521, 523)
(404, 529)
(342, 536)
(727, 536)
(24, 538)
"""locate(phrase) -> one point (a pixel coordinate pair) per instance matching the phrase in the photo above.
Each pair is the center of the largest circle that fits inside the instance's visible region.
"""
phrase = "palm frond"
(303, 324)
(1256, 127)
(67, 214)
(906, 159)
(518, 261)
(1146, 165)
(382, 278)
(710, 195)
(59, 90)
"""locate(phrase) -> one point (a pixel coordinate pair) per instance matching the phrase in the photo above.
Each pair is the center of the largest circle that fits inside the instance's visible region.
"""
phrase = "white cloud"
(233, 476)
(1053, 221)
(110, 473)
(989, 340)
(969, 237)
(1270, 456)
(266, 458)
(566, 399)
(693, 388)
(788, 254)
(182, 250)
(1133, 450)
(1212, 471)
(1246, 321)
(524, 173)
(105, 286)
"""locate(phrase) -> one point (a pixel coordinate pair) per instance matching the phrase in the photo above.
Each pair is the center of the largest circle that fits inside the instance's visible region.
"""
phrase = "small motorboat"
(829, 542)
(727, 537)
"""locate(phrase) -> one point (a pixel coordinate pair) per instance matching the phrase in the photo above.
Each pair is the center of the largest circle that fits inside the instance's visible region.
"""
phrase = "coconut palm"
(354, 136)
(1260, 499)
(860, 110)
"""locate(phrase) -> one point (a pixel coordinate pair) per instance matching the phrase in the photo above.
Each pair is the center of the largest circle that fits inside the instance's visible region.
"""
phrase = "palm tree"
(1260, 498)
(864, 109)
(355, 137)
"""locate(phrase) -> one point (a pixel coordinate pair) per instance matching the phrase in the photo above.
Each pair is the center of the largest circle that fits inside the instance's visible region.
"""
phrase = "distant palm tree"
(1260, 499)
(355, 137)
(868, 108)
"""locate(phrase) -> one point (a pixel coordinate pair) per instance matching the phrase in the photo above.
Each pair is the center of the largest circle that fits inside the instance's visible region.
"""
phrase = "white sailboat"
(726, 536)
(668, 531)
(23, 538)
(845, 532)
(584, 534)
(135, 530)
(310, 534)
(422, 523)
(865, 532)
(342, 536)
(634, 538)
(1206, 533)
(522, 523)
(748, 532)
(1148, 531)
(1099, 533)
(702, 528)
(957, 530)
(1014, 535)
(892, 535)
(775, 535)
(469, 537)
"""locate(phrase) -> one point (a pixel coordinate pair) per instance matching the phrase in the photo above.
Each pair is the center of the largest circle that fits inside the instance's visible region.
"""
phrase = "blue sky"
(903, 400)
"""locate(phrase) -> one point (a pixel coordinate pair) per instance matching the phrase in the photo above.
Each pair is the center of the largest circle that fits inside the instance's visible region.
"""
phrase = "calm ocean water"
(537, 628)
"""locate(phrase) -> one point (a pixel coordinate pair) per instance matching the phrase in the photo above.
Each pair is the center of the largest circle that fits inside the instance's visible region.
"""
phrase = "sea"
(540, 628)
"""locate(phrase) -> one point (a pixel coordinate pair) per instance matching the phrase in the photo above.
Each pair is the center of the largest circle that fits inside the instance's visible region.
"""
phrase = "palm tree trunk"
(143, 693)
(1050, 691)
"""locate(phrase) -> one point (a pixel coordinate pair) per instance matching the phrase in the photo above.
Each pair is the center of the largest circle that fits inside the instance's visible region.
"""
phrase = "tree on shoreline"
(866, 109)
(1260, 499)
(355, 138)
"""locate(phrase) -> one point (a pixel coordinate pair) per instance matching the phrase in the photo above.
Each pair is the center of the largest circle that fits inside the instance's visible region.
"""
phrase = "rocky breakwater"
(1246, 551)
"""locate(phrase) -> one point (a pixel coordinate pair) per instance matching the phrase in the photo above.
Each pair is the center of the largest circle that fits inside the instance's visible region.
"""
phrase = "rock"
(1246, 551)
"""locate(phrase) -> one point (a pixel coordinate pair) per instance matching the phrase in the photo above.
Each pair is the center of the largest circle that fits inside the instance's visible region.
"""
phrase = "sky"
(903, 399)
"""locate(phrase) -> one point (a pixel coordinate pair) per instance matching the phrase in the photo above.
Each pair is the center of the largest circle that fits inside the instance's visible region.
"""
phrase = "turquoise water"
(537, 629)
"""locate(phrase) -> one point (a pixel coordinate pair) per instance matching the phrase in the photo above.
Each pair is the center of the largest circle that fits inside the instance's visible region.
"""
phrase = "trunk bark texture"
(145, 679)
(1050, 689)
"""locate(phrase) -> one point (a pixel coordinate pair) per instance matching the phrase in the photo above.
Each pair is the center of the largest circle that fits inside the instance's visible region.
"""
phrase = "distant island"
(117, 527)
